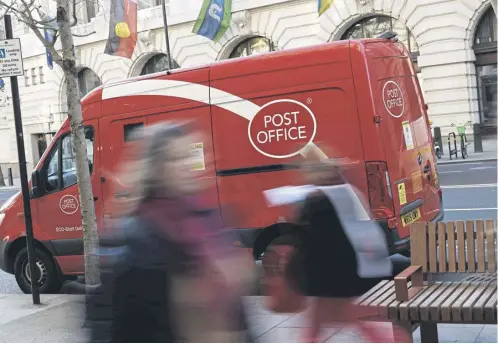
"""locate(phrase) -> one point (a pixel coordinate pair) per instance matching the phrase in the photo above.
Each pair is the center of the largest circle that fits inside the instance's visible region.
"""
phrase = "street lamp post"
(166, 33)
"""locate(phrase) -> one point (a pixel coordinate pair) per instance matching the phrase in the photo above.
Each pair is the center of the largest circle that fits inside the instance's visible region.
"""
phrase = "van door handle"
(122, 195)
(95, 198)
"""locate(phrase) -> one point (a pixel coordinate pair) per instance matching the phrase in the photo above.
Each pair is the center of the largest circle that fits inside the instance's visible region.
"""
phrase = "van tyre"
(49, 280)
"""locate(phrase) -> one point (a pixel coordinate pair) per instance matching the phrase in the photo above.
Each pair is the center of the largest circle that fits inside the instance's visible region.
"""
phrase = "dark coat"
(324, 264)
(133, 302)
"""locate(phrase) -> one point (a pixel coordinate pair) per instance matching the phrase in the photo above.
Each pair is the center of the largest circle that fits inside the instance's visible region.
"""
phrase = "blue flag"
(49, 36)
(214, 19)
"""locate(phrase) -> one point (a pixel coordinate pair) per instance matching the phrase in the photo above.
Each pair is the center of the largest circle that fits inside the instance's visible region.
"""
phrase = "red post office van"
(358, 99)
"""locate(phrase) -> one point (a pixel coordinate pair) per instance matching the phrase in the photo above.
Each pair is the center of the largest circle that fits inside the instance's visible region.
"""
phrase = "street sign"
(11, 58)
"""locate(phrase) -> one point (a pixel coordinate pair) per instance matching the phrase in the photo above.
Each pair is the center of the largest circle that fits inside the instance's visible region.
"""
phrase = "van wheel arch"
(266, 235)
(20, 243)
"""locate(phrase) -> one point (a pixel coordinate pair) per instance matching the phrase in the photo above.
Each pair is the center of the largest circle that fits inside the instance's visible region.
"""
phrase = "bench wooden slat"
(377, 294)
(384, 308)
(441, 228)
(362, 298)
(446, 305)
(478, 309)
(456, 314)
(418, 244)
(432, 248)
(435, 297)
(468, 305)
(450, 232)
(471, 248)
(415, 306)
(404, 308)
(481, 260)
(490, 243)
(461, 246)
(490, 308)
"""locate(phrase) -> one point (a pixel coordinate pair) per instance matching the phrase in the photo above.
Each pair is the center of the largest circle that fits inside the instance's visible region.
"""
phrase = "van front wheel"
(47, 276)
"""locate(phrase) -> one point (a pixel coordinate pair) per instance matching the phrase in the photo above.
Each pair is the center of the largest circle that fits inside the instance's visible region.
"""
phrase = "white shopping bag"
(365, 235)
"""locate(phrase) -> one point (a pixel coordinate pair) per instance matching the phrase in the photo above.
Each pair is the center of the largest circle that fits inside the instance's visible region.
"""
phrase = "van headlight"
(9, 202)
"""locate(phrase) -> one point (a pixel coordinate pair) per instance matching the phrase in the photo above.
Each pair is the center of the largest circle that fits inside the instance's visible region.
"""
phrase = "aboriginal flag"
(122, 28)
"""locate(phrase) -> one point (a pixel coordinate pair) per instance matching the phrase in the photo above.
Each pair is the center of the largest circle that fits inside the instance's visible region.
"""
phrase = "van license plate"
(410, 217)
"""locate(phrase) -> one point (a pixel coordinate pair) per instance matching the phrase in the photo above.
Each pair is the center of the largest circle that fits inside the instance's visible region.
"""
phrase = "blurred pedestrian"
(167, 273)
(338, 252)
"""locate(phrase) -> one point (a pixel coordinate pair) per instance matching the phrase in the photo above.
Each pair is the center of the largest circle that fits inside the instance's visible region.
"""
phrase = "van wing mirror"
(36, 185)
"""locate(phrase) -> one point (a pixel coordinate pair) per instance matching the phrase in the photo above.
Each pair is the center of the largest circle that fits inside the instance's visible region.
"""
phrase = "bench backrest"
(454, 246)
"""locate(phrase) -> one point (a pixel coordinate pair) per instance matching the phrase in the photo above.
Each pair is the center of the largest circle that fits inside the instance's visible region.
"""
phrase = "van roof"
(96, 94)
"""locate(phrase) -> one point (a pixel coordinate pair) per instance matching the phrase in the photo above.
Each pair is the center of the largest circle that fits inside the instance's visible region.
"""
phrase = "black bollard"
(438, 139)
(477, 138)
(11, 179)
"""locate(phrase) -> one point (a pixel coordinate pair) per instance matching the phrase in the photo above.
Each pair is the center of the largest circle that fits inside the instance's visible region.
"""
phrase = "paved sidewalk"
(490, 152)
(60, 319)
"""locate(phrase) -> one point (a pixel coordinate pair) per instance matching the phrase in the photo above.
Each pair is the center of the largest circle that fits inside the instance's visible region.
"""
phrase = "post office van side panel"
(371, 134)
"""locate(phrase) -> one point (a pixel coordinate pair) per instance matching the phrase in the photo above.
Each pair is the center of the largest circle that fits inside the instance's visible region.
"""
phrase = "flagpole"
(166, 34)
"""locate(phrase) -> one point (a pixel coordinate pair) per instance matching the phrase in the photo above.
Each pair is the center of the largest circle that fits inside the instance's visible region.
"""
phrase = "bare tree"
(29, 13)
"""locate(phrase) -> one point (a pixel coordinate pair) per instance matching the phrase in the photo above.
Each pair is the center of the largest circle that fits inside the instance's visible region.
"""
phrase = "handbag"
(281, 295)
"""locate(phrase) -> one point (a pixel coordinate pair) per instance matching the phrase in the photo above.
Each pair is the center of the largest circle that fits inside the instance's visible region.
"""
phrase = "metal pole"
(16, 102)
(166, 33)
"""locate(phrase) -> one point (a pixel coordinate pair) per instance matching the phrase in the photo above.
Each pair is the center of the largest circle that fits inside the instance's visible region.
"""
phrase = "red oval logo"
(282, 128)
(393, 99)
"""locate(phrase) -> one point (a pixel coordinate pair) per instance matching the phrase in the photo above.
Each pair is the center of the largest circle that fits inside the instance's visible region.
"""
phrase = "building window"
(372, 27)
(90, 9)
(26, 78)
(33, 76)
(40, 70)
(87, 81)
(158, 63)
(143, 4)
(485, 48)
(253, 46)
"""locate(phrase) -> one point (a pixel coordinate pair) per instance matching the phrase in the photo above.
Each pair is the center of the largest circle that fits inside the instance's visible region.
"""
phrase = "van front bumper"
(4, 245)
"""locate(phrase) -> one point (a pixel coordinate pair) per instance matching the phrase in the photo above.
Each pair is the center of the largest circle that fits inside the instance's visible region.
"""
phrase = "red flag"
(122, 28)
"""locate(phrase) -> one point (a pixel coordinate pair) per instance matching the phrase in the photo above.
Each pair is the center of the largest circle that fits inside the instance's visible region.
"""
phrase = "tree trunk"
(2, 181)
(89, 223)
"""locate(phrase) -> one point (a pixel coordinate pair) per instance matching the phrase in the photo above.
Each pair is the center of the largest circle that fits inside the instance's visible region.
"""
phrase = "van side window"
(60, 171)
(130, 131)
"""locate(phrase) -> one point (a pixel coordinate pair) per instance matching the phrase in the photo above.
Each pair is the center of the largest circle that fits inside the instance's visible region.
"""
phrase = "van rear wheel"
(47, 276)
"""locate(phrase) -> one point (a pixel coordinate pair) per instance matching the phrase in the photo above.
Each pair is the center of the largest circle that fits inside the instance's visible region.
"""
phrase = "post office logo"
(282, 128)
(69, 204)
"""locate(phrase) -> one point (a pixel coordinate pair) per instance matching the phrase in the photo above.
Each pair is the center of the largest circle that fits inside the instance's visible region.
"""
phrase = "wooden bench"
(452, 279)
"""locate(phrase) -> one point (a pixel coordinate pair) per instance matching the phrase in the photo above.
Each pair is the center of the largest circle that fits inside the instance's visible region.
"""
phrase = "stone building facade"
(452, 42)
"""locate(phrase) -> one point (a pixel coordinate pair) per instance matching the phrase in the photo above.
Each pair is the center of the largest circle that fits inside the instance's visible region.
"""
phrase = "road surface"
(469, 193)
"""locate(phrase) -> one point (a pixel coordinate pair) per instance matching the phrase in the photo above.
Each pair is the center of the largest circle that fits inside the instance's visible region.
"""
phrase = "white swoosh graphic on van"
(196, 92)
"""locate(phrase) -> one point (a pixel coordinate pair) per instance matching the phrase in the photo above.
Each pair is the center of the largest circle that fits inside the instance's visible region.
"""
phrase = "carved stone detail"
(148, 39)
(243, 21)
(364, 6)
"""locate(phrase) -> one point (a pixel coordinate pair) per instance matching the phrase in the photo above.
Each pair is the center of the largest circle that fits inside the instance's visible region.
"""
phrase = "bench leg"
(403, 332)
(428, 333)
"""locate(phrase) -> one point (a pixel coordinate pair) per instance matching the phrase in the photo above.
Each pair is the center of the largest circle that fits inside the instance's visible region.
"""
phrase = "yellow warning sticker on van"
(402, 193)
(417, 181)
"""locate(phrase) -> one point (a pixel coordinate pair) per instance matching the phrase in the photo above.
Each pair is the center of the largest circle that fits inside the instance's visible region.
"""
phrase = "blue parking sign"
(2, 53)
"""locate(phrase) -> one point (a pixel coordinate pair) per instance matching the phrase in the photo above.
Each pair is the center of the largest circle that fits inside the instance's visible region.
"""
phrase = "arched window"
(87, 81)
(252, 46)
(372, 27)
(158, 63)
(485, 51)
